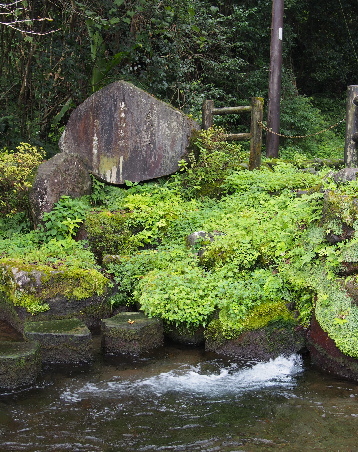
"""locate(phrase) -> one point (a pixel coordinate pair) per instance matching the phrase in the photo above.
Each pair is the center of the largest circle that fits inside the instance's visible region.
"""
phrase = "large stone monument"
(120, 133)
(123, 133)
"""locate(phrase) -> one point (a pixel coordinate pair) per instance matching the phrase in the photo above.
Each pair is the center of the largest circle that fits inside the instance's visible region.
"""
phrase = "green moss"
(43, 282)
(259, 317)
(30, 302)
(76, 283)
(339, 208)
(265, 313)
(66, 326)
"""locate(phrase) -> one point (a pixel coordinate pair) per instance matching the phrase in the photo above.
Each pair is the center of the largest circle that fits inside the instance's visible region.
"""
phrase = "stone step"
(20, 364)
(131, 333)
(61, 341)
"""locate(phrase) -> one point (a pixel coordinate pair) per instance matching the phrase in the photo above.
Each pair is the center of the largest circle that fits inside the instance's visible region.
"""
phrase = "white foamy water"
(206, 378)
(277, 372)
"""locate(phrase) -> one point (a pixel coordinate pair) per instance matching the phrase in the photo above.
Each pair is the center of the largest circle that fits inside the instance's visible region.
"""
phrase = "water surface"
(182, 399)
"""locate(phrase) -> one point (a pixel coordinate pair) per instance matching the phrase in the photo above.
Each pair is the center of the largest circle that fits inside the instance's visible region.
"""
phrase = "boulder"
(49, 293)
(345, 175)
(124, 133)
(260, 344)
(63, 174)
(327, 357)
(61, 341)
(131, 333)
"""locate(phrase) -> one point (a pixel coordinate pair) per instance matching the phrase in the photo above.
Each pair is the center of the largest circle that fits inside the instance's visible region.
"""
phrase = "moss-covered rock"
(340, 211)
(20, 364)
(268, 330)
(276, 338)
(61, 341)
(131, 333)
(54, 293)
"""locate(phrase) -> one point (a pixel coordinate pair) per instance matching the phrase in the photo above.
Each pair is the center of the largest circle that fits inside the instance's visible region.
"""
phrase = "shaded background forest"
(181, 51)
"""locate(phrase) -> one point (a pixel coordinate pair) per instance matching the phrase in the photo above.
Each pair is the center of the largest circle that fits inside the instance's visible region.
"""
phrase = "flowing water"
(182, 399)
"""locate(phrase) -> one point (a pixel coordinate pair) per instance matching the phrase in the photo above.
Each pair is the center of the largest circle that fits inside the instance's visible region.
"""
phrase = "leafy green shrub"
(299, 117)
(237, 272)
(54, 253)
(17, 171)
(65, 218)
(17, 223)
(140, 221)
(211, 160)
(109, 233)
(131, 269)
(282, 176)
(336, 313)
(182, 295)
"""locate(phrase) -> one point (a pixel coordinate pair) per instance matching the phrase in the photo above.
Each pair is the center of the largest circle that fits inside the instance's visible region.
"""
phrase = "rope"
(299, 136)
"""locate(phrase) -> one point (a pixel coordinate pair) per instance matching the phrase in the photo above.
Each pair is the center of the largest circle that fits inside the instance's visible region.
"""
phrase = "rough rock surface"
(327, 357)
(20, 364)
(261, 344)
(131, 333)
(63, 174)
(61, 341)
(124, 133)
(345, 175)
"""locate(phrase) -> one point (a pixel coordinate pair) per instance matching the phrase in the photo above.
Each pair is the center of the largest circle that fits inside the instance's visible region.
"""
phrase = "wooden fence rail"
(255, 134)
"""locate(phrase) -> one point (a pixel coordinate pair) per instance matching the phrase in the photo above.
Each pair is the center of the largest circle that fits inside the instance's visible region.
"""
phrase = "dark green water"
(182, 400)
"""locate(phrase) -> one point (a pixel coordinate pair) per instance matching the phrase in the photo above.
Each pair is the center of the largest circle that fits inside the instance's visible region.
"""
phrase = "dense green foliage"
(277, 243)
(182, 51)
(239, 269)
(269, 254)
(17, 170)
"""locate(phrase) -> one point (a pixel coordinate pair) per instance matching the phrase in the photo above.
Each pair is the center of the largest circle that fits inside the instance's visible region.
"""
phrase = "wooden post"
(274, 96)
(207, 121)
(257, 104)
(350, 150)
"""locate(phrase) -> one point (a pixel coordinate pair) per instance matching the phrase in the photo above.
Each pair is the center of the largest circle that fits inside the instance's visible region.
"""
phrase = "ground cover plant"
(265, 256)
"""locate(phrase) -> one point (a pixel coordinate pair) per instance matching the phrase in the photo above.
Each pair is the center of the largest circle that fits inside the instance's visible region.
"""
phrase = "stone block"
(131, 333)
(20, 364)
(61, 341)
(123, 133)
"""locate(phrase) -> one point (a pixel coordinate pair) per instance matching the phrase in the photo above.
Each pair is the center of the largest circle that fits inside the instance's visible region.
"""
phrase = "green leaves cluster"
(211, 160)
(64, 219)
(17, 170)
(242, 271)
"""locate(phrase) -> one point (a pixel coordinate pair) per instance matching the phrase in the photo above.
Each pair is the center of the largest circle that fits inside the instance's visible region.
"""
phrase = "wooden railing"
(255, 134)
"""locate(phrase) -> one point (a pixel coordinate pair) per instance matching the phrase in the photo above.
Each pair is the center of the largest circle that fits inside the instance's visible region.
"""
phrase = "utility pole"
(274, 96)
